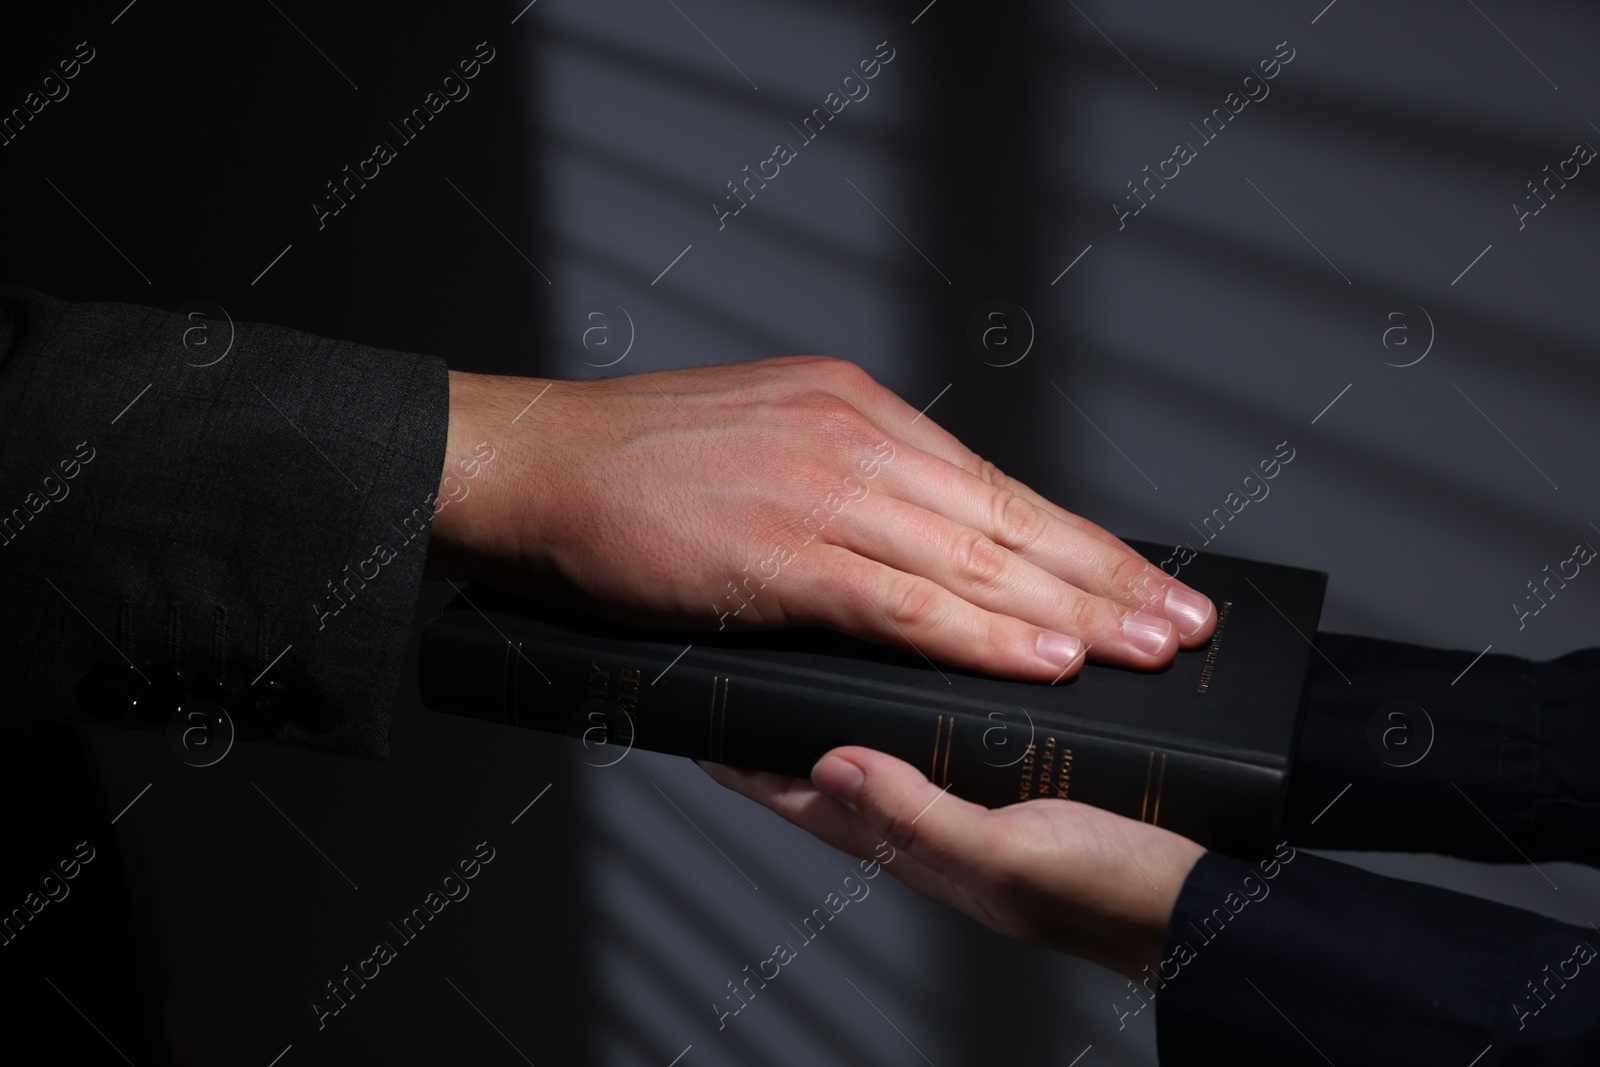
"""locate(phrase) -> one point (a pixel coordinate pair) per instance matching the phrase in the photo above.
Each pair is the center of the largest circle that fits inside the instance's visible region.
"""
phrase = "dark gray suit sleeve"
(250, 533)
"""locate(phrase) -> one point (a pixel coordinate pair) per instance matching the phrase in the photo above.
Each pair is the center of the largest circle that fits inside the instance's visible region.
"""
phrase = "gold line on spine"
(1149, 771)
(711, 722)
(949, 736)
(1155, 816)
(722, 733)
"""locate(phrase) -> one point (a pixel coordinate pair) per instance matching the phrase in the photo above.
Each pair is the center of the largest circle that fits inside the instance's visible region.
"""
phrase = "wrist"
(1145, 950)
(472, 528)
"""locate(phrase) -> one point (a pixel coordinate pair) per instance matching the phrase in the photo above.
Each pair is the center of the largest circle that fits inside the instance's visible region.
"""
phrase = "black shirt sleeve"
(243, 521)
(1304, 960)
(1492, 760)
(1326, 963)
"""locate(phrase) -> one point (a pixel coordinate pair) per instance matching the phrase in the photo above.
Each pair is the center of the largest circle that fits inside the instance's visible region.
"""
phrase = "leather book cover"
(1203, 747)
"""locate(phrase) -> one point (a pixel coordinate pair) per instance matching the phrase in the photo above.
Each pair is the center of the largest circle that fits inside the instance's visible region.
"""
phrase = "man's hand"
(790, 492)
(1054, 872)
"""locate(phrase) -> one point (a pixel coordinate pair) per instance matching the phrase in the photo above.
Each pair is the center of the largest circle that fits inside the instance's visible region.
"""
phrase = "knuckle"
(846, 373)
(911, 601)
(838, 376)
(1084, 616)
(1130, 581)
(833, 418)
(1017, 522)
(821, 404)
(900, 830)
(992, 474)
(979, 561)
(998, 642)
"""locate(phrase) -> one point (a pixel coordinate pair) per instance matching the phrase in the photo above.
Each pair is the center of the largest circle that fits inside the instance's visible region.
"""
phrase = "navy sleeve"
(1308, 961)
(1303, 960)
(1491, 760)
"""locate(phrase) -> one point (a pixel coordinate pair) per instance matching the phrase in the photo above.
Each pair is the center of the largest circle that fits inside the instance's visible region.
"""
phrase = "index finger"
(1152, 590)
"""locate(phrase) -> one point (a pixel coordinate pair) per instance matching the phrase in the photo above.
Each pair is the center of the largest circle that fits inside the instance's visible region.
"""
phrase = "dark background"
(589, 152)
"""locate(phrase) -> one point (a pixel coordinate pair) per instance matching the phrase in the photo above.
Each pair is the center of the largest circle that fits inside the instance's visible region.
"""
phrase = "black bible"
(1203, 747)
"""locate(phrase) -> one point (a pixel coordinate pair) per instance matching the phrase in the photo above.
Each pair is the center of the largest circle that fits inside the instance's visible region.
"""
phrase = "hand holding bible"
(791, 492)
(1057, 873)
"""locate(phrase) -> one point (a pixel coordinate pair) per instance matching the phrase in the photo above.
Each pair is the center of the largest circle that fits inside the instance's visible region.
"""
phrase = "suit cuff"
(250, 531)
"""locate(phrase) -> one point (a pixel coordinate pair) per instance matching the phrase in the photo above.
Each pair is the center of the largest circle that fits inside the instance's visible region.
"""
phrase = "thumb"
(909, 812)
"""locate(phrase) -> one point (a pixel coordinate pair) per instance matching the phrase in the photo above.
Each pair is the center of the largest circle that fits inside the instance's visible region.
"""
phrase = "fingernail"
(1058, 650)
(839, 778)
(1146, 632)
(1189, 609)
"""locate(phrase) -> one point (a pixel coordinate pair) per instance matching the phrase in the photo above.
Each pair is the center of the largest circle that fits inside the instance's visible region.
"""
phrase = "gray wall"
(1301, 256)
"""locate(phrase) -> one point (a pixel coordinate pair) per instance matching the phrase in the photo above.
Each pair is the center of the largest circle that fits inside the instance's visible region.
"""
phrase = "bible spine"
(613, 695)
